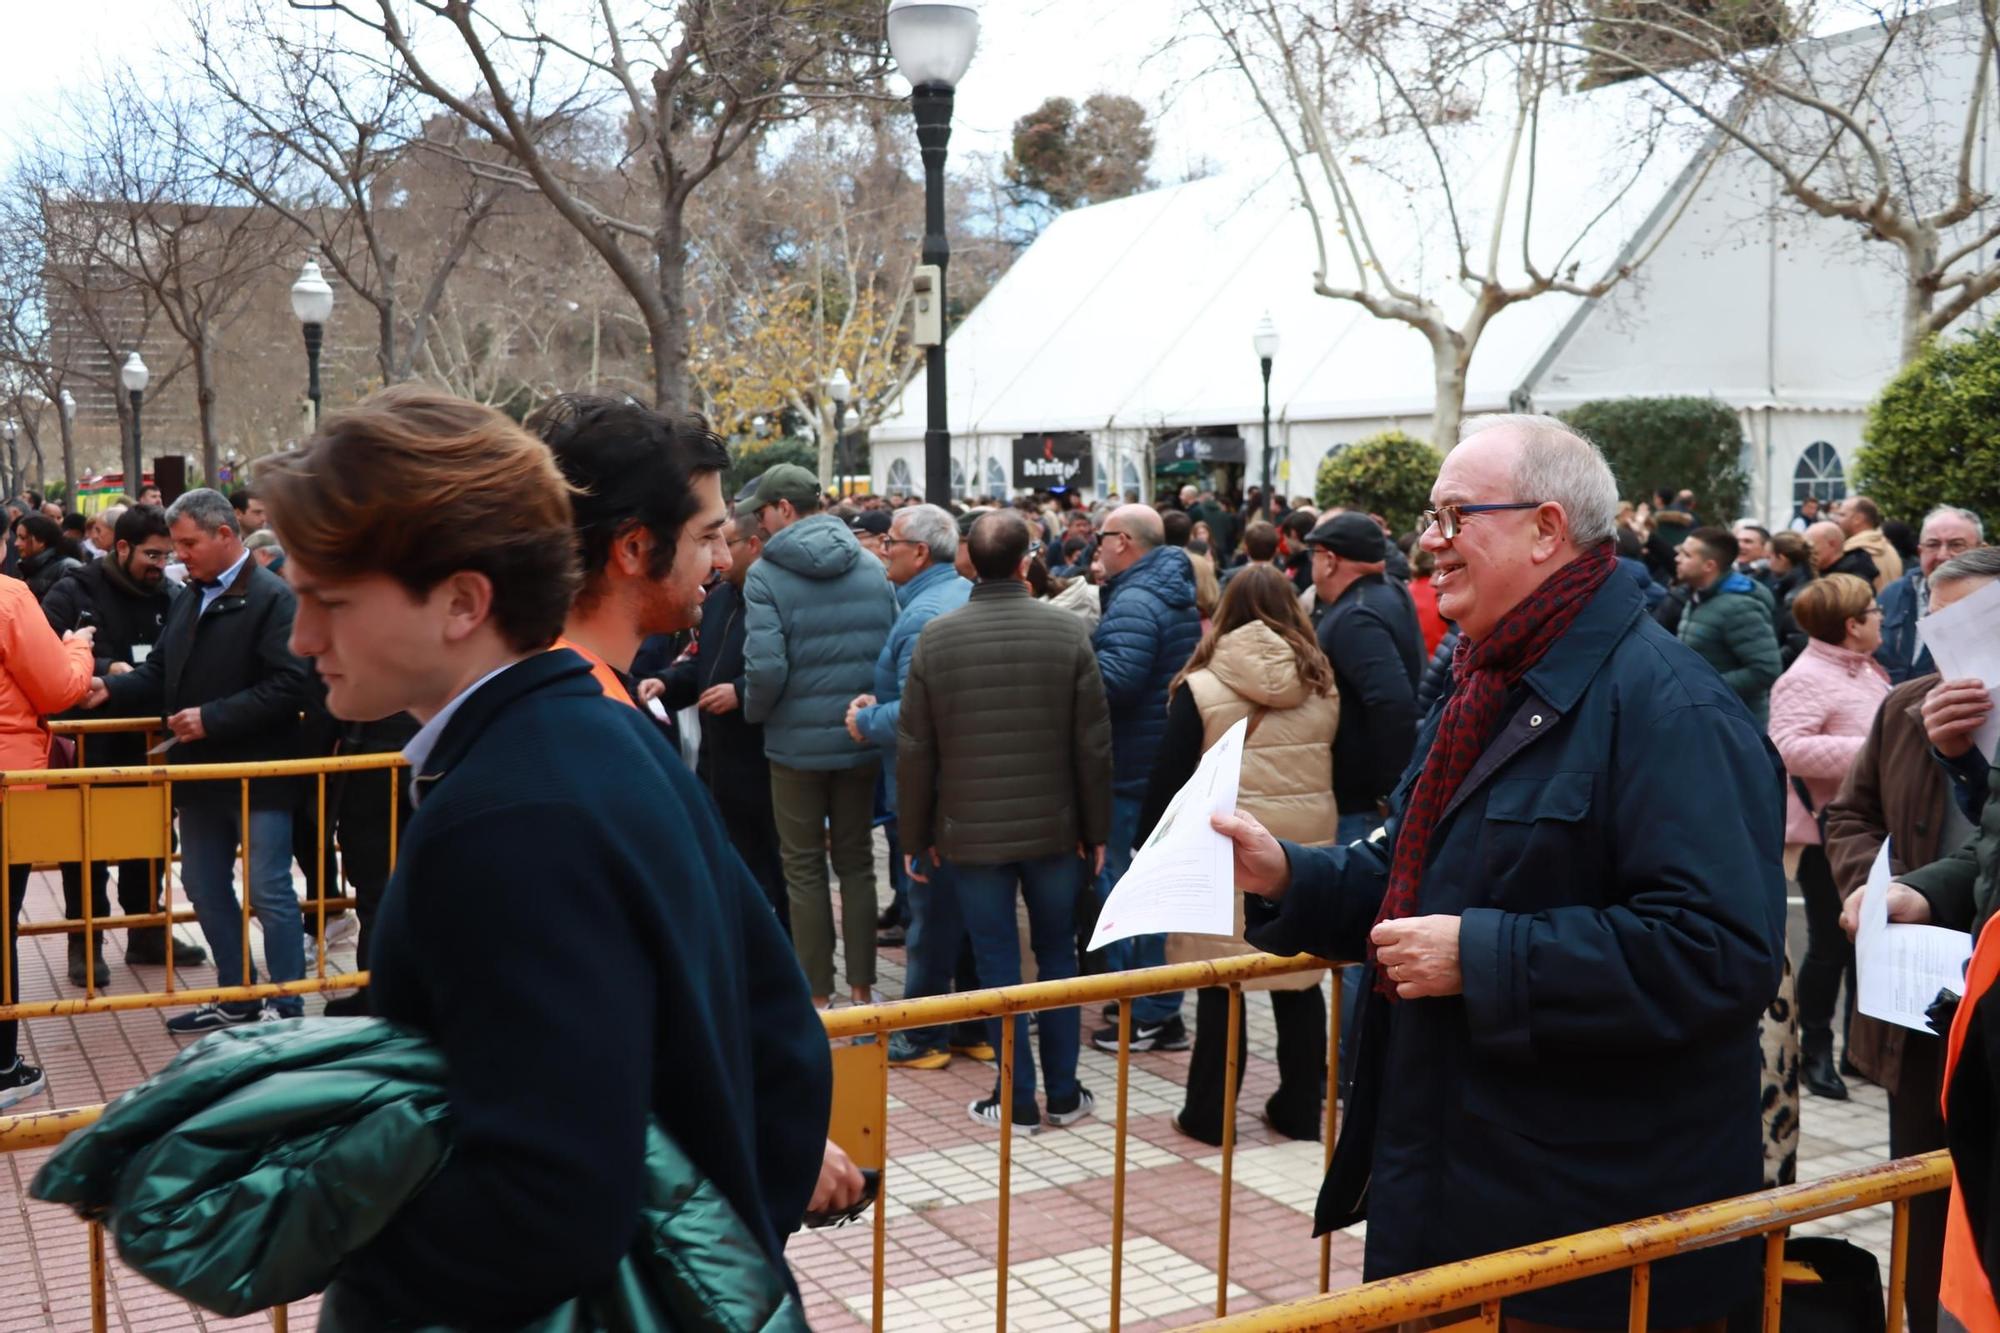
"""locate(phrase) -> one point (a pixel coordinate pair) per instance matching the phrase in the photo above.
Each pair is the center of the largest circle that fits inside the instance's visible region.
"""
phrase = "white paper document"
(1964, 639)
(1184, 877)
(1901, 968)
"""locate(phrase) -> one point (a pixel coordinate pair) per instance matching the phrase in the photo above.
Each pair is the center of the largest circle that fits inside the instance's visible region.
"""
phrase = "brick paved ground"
(942, 1188)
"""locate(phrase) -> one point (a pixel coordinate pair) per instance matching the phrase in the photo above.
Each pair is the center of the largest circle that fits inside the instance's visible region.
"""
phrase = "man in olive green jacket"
(1004, 770)
(1729, 618)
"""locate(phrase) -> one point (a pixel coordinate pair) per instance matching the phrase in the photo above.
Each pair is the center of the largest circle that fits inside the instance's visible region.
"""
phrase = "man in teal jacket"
(1729, 618)
(818, 611)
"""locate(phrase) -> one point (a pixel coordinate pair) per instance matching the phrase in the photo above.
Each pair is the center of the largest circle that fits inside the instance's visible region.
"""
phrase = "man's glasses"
(1451, 518)
(1957, 546)
(1109, 533)
(901, 541)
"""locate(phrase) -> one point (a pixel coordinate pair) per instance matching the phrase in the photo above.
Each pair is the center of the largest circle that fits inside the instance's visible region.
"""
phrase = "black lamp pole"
(314, 333)
(1269, 508)
(932, 104)
(137, 480)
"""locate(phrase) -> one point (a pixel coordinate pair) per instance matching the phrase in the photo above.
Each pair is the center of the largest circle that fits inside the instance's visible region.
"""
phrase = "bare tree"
(1405, 122)
(692, 82)
(1886, 127)
(328, 144)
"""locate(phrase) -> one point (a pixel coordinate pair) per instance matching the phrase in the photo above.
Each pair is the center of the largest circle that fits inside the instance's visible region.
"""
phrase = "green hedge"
(1390, 474)
(1933, 436)
(749, 458)
(1670, 444)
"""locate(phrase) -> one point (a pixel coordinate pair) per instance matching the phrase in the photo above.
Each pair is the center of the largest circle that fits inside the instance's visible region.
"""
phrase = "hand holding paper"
(1900, 969)
(1184, 878)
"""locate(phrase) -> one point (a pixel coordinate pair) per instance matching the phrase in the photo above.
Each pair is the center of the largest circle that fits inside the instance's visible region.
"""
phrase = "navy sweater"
(569, 923)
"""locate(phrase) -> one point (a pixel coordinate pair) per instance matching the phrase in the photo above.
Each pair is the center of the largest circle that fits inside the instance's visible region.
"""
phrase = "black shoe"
(19, 1083)
(986, 1111)
(1181, 1128)
(149, 949)
(1068, 1113)
(354, 1005)
(209, 1017)
(892, 938)
(1817, 1073)
(76, 973)
(891, 918)
(1168, 1036)
(1110, 1012)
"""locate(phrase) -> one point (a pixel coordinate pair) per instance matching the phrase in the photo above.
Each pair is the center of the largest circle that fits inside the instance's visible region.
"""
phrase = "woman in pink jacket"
(1821, 710)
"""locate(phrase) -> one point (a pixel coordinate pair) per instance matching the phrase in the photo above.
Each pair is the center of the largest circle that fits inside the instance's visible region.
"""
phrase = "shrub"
(749, 458)
(1670, 444)
(1933, 435)
(1388, 474)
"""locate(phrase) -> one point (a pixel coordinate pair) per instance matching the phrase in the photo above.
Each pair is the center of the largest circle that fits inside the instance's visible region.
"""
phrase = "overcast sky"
(1029, 50)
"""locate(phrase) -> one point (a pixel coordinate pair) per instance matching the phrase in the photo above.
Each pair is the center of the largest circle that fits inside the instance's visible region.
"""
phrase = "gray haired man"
(1948, 533)
(920, 549)
(227, 686)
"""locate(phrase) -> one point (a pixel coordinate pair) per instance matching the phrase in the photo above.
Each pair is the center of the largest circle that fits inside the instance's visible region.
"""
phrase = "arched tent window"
(996, 480)
(1102, 474)
(957, 477)
(1819, 475)
(1128, 480)
(900, 481)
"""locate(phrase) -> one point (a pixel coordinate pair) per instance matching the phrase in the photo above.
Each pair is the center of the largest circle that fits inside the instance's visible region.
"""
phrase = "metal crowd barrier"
(1477, 1286)
(89, 816)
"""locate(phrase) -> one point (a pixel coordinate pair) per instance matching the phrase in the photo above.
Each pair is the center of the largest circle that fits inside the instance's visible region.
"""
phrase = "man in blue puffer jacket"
(1149, 629)
(818, 610)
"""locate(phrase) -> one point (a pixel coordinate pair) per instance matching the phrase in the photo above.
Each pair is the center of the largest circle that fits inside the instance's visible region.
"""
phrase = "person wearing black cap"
(871, 528)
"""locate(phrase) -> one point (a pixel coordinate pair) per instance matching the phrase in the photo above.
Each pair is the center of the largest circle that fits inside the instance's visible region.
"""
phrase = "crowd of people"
(1456, 772)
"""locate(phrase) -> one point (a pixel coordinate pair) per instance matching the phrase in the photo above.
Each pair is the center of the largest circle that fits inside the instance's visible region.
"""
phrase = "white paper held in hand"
(1900, 968)
(1964, 639)
(1184, 877)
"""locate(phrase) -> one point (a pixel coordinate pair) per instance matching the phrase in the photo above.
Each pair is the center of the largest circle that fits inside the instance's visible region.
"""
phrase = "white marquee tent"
(1129, 323)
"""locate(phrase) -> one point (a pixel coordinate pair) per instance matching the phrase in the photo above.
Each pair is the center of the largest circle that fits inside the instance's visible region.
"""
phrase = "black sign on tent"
(1059, 460)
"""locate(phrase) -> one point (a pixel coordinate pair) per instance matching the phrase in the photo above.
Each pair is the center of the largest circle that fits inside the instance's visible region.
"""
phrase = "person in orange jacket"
(40, 674)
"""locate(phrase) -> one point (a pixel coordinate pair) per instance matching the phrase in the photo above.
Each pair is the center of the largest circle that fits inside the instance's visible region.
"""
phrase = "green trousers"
(822, 812)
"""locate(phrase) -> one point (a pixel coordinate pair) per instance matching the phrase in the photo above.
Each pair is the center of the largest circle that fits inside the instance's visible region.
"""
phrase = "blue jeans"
(1351, 828)
(1139, 950)
(935, 932)
(209, 836)
(986, 896)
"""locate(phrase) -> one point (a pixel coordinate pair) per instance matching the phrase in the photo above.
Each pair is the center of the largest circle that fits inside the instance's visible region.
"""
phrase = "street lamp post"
(312, 302)
(840, 389)
(67, 404)
(933, 42)
(1265, 340)
(8, 432)
(134, 376)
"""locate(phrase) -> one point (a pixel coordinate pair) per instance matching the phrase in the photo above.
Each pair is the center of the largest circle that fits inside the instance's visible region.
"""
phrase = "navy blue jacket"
(1147, 632)
(1902, 654)
(731, 759)
(568, 922)
(1621, 932)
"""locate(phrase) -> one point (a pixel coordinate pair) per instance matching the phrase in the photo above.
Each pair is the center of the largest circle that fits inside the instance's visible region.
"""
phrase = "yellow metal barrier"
(1485, 1282)
(88, 816)
(1479, 1285)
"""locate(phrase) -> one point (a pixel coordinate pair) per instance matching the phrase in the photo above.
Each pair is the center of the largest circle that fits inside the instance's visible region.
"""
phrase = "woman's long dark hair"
(1260, 592)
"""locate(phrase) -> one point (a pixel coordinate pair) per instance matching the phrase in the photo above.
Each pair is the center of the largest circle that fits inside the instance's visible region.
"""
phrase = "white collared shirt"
(211, 591)
(418, 751)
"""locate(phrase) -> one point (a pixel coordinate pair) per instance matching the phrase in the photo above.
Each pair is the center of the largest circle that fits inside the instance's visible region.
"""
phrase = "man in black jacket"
(229, 689)
(1369, 632)
(567, 921)
(124, 594)
(731, 759)
(46, 557)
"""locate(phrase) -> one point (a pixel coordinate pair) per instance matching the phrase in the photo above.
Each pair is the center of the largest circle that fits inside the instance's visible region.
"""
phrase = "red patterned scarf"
(1485, 671)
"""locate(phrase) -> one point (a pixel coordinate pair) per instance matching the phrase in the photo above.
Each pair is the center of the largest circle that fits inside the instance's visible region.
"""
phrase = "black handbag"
(1830, 1286)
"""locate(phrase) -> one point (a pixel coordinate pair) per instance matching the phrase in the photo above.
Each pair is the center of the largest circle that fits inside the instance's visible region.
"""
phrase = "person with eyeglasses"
(1948, 532)
(1568, 943)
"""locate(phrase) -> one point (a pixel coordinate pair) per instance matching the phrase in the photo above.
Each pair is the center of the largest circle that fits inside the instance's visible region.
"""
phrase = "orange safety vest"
(1966, 1291)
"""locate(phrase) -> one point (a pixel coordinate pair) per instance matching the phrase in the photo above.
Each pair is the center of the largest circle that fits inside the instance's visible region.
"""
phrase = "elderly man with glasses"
(1947, 534)
(1568, 939)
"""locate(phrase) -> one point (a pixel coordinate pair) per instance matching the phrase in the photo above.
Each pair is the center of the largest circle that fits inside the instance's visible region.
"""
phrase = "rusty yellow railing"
(89, 816)
(1480, 1285)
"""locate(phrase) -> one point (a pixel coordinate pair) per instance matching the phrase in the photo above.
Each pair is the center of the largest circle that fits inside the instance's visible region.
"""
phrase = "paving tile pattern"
(942, 1189)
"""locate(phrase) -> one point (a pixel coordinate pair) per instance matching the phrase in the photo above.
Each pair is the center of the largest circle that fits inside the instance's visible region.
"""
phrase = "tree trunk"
(669, 325)
(829, 441)
(1449, 359)
(69, 452)
(204, 397)
(1920, 259)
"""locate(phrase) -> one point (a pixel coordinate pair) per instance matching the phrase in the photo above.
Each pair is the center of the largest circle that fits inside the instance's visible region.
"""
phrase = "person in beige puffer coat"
(1259, 661)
